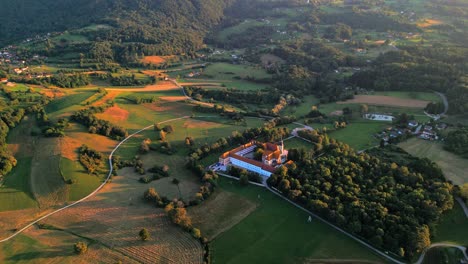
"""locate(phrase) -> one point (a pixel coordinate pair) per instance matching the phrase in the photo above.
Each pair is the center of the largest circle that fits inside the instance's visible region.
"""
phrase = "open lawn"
(277, 232)
(453, 227)
(359, 134)
(453, 166)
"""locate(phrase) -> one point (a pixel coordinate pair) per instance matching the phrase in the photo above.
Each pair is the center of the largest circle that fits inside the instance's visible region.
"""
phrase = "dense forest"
(457, 142)
(136, 26)
(388, 200)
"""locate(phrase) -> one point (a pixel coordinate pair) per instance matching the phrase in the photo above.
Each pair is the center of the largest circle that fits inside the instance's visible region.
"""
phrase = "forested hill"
(180, 23)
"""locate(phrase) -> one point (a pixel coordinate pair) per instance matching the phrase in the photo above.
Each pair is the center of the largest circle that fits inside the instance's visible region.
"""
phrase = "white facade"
(250, 167)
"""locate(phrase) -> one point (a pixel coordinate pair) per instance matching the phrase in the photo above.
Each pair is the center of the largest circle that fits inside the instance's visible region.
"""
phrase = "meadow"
(453, 166)
(276, 226)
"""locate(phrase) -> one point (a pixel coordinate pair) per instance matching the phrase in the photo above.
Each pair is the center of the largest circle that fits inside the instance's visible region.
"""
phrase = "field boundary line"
(109, 175)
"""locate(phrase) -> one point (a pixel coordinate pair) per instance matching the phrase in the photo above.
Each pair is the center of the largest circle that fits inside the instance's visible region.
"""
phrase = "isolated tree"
(162, 135)
(144, 234)
(80, 247)
(151, 195)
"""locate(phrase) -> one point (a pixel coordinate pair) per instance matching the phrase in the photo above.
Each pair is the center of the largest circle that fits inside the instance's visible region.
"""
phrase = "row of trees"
(95, 125)
(91, 159)
(391, 205)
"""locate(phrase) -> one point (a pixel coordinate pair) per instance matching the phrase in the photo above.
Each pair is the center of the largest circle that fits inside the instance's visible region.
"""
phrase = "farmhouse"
(273, 156)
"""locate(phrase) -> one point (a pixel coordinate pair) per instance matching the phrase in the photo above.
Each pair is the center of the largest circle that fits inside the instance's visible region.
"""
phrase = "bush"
(244, 180)
(196, 233)
(144, 234)
(81, 248)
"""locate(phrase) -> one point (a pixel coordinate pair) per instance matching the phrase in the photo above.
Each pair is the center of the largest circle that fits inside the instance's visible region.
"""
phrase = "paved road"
(421, 258)
(109, 175)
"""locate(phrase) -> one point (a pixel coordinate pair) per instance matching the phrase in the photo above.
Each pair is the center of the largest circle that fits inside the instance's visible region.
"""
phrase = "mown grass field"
(452, 227)
(359, 134)
(277, 232)
(453, 166)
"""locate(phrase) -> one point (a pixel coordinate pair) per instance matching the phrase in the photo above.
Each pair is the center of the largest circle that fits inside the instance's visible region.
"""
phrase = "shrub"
(80, 247)
(144, 234)
(244, 180)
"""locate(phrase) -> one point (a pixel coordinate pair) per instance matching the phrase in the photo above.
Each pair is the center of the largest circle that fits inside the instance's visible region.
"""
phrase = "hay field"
(220, 212)
(160, 86)
(453, 166)
(386, 101)
(115, 216)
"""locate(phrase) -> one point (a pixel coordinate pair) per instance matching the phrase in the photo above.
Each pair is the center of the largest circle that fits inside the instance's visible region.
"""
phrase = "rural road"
(421, 258)
(445, 101)
(109, 175)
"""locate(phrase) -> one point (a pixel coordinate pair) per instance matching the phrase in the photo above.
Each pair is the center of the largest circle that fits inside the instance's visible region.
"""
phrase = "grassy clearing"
(84, 183)
(297, 143)
(452, 227)
(304, 108)
(15, 193)
(359, 134)
(277, 232)
(453, 166)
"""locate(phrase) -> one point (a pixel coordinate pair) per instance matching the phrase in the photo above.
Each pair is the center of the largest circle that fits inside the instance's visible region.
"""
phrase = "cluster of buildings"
(273, 157)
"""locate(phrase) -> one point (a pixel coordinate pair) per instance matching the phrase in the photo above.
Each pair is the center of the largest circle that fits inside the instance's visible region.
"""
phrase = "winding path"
(445, 101)
(109, 175)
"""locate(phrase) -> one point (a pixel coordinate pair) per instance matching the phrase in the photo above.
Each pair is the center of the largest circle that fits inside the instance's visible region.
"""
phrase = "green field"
(302, 109)
(277, 232)
(453, 227)
(84, 183)
(68, 101)
(453, 166)
(224, 73)
(359, 134)
(15, 193)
